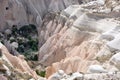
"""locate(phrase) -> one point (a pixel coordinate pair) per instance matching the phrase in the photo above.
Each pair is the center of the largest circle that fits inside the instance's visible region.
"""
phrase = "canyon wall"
(81, 36)
(74, 35)
(20, 12)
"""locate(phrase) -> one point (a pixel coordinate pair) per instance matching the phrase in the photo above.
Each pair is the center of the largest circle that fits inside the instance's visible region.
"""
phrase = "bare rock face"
(17, 64)
(72, 37)
(20, 12)
(80, 37)
(96, 69)
(115, 60)
(58, 75)
(9, 14)
(80, 76)
(2, 77)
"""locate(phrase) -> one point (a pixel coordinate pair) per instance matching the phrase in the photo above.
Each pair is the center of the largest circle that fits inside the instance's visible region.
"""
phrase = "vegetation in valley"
(27, 39)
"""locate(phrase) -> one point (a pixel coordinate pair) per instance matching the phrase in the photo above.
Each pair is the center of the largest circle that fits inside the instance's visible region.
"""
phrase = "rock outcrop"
(2, 77)
(75, 36)
(80, 76)
(19, 13)
(85, 35)
(15, 64)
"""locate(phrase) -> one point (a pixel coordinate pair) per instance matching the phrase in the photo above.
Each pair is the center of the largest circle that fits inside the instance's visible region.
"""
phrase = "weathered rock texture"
(72, 37)
(60, 75)
(79, 37)
(17, 64)
(21, 12)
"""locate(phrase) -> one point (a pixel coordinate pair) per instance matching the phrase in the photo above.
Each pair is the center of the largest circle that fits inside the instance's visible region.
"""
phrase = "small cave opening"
(7, 8)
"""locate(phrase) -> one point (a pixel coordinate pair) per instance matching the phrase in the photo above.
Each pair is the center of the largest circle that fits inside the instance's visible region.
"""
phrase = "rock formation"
(86, 36)
(72, 39)
(14, 63)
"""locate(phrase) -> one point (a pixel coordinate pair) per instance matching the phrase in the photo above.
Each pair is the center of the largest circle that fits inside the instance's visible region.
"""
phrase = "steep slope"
(18, 13)
(73, 35)
(83, 38)
(15, 66)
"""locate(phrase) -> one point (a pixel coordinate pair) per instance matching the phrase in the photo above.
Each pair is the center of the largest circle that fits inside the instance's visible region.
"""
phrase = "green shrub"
(30, 55)
(34, 44)
(12, 40)
(41, 73)
(28, 44)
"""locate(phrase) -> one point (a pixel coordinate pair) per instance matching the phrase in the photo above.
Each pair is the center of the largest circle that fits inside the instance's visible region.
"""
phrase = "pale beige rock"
(78, 45)
(115, 60)
(71, 2)
(56, 5)
(73, 46)
(3, 77)
(71, 9)
(57, 76)
(76, 75)
(70, 65)
(114, 44)
(104, 54)
(87, 21)
(96, 69)
(58, 28)
(18, 62)
(111, 34)
(58, 44)
(29, 11)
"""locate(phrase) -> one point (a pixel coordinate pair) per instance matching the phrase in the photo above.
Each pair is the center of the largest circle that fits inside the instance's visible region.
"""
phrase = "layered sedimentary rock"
(74, 35)
(61, 75)
(20, 12)
(15, 65)
(82, 39)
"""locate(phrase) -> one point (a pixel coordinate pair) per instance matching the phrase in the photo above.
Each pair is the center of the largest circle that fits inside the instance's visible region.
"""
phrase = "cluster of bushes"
(41, 73)
(28, 44)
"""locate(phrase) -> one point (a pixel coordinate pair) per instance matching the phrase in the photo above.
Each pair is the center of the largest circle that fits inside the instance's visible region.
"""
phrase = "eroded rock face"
(115, 60)
(31, 12)
(80, 76)
(17, 64)
(2, 77)
(72, 37)
(88, 37)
